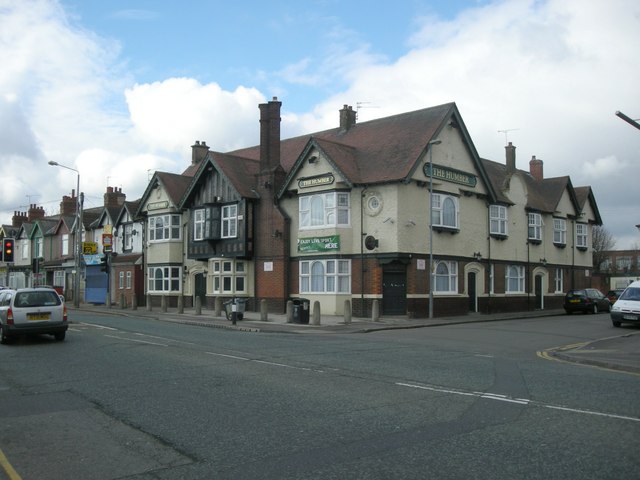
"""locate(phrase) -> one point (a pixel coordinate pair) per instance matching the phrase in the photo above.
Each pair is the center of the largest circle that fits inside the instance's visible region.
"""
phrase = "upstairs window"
(65, 244)
(581, 235)
(498, 220)
(559, 231)
(198, 224)
(163, 228)
(535, 227)
(444, 211)
(230, 221)
(128, 237)
(323, 210)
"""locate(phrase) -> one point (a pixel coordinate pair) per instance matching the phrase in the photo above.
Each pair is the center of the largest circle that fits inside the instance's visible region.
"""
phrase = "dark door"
(538, 292)
(473, 297)
(201, 287)
(394, 292)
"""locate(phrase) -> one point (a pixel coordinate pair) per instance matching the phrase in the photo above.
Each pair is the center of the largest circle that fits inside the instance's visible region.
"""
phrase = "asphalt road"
(142, 399)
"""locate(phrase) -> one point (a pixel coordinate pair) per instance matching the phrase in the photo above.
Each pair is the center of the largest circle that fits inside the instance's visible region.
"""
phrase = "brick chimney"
(199, 152)
(270, 134)
(114, 197)
(347, 117)
(68, 204)
(536, 168)
(35, 212)
(18, 219)
(511, 158)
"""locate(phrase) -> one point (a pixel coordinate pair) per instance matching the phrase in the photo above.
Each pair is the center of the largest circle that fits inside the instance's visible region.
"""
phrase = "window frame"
(170, 280)
(450, 276)
(171, 226)
(199, 220)
(65, 244)
(560, 231)
(534, 228)
(559, 280)
(325, 276)
(324, 210)
(500, 218)
(228, 276)
(229, 221)
(519, 278)
(438, 201)
(582, 236)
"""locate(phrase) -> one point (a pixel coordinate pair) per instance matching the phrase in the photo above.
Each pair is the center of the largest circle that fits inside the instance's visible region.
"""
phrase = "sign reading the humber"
(326, 179)
(451, 175)
(319, 244)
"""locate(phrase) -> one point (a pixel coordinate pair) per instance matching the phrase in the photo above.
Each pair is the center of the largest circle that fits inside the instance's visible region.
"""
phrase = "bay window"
(325, 276)
(331, 209)
(164, 228)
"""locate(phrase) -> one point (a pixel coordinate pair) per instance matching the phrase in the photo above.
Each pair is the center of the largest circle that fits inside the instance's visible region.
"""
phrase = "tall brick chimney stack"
(114, 197)
(199, 152)
(18, 219)
(347, 117)
(536, 168)
(35, 212)
(270, 135)
(68, 204)
(511, 158)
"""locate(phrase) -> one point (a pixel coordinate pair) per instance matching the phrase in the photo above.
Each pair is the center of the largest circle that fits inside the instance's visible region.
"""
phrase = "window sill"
(582, 249)
(560, 245)
(499, 236)
(534, 241)
(441, 229)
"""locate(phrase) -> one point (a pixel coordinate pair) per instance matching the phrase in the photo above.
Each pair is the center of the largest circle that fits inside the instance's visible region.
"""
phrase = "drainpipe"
(362, 234)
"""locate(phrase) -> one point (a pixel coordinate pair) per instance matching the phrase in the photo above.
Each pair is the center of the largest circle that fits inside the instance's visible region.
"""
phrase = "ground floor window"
(559, 281)
(228, 276)
(446, 277)
(514, 279)
(59, 279)
(164, 279)
(325, 276)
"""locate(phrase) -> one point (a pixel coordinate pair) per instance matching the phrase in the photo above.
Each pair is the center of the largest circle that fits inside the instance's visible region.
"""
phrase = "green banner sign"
(330, 243)
(451, 175)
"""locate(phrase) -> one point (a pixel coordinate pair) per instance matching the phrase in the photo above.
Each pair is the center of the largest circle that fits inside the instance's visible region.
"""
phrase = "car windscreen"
(36, 299)
(631, 293)
(577, 293)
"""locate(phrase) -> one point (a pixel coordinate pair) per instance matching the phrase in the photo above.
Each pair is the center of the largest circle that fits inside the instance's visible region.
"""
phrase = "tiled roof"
(174, 185)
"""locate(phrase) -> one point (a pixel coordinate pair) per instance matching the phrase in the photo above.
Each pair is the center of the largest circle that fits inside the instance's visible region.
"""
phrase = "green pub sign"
(330, 243)
(451, 175)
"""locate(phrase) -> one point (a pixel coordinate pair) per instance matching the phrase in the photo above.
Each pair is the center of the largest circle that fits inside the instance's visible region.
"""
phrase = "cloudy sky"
(118, 89)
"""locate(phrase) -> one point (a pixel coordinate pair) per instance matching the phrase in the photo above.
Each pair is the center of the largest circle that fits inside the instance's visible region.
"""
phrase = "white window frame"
(59, 278)
(535, 226)
(65, 244)
(582, 232)
(440, 202)
(121, 280)
(559, 280)
(24, 249)
(199, 218)
(325, 276)
(445, 274)
(229, 221)
(169, 228)
(498, 220)
(324, 210)
(169, 280)
(39, 247)
(517, 279)
(228, 276)
(128, 237)
(560, 231)
(129, 276)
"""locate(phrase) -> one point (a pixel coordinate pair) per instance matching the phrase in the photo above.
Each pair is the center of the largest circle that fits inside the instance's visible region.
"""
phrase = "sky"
(118, 89)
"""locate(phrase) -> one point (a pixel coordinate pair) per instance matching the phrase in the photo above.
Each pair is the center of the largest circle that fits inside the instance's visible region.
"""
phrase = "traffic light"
(103, 264)
(8, 245)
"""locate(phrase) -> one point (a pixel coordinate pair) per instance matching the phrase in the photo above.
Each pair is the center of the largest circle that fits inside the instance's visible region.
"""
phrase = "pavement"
(620, 351)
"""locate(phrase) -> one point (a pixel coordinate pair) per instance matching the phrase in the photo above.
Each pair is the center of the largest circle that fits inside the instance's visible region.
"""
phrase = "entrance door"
(539, 293)
(473, 295)
(394, 292)
(200, 287)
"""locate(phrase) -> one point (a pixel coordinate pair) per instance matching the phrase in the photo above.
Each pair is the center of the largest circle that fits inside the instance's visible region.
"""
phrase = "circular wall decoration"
(373, 204)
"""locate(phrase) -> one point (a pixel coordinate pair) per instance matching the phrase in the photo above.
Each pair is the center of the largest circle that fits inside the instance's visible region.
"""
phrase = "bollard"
(198, 306)
(180, 304)
(264, 313)
(149, 307)
(375, 310)
(123, 302)
(107, 300)
(316, 312)
(163, 304)
(347, 312)
(289, 311)
(217, 307)
(134, 303)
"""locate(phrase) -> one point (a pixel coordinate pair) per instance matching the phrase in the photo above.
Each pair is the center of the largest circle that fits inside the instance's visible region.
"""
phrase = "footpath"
(620, 351)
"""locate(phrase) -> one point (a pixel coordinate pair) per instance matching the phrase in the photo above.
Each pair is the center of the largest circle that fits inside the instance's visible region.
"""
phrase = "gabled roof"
(27, 228)
(544, 196)
(46, 225)
(584, 194)
(9, 231)
(90, 215)
(110, 213)
(496, 174)
(131, 208)
(68, 220)
(174, 185)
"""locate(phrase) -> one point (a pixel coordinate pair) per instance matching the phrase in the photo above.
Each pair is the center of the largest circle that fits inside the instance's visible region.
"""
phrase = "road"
(141, 399)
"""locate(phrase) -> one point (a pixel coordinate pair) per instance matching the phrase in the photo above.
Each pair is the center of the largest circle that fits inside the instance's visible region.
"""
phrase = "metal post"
(430, 145)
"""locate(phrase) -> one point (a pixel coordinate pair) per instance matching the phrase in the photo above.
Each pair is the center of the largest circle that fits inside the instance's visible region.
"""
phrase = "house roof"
(584, 194)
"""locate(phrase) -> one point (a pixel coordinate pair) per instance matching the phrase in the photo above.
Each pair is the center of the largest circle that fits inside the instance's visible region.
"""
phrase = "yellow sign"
(108, 229)
(89, 248)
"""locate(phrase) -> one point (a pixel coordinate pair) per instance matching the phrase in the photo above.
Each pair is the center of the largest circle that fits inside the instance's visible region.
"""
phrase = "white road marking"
(137, 341)
(228, 356)
(264, 362)
(98, 326)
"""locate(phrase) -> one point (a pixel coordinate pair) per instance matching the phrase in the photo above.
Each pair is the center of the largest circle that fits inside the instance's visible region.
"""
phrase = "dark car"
(586, 300)
(29, 311)
(613, 295)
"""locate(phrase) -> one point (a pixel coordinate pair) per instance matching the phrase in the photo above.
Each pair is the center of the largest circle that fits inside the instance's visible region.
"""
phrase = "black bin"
(300, 310)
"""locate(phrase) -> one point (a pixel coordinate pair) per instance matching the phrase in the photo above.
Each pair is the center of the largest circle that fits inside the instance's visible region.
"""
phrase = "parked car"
(613, 295)
(32, 311)
(586, 300)
(627, 308)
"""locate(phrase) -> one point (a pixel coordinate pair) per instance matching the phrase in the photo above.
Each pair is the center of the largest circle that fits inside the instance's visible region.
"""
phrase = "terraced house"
(345, 214)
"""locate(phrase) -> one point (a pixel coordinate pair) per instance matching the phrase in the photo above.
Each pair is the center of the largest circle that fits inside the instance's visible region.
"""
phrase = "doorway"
(394, 290)
(539, 294)
(200, 287)
(472, 289)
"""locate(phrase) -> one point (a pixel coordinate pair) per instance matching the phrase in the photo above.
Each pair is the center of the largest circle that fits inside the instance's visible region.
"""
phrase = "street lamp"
(430, 146)
(78, 233)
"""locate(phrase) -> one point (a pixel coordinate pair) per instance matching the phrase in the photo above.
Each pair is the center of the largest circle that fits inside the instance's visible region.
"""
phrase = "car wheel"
(616, 324)
(569, 312)
(60, 336)
(4, 339)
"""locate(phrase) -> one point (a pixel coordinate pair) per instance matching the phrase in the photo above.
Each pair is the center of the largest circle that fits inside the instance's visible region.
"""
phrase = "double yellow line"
(10, 471)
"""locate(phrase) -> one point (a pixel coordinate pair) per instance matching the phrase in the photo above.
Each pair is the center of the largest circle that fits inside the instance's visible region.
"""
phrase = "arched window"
(317, 277)
(446, 280)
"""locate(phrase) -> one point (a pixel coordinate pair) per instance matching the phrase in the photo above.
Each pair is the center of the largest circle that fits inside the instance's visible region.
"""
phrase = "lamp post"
(430, 146)
(78, 234)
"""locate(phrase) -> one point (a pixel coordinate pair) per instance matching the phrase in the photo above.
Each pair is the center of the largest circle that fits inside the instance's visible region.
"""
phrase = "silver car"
(32, 311)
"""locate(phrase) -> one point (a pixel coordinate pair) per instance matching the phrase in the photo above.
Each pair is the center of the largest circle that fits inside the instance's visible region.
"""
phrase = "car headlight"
(615, 308)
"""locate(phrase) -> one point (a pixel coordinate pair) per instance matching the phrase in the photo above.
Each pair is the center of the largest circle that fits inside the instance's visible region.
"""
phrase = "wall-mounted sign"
(89, 248)
(330, 243)
(316, 181)
(451, 175)
(157, 205)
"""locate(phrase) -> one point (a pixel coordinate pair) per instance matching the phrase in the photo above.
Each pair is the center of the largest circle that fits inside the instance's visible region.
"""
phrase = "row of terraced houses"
(341, 214)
